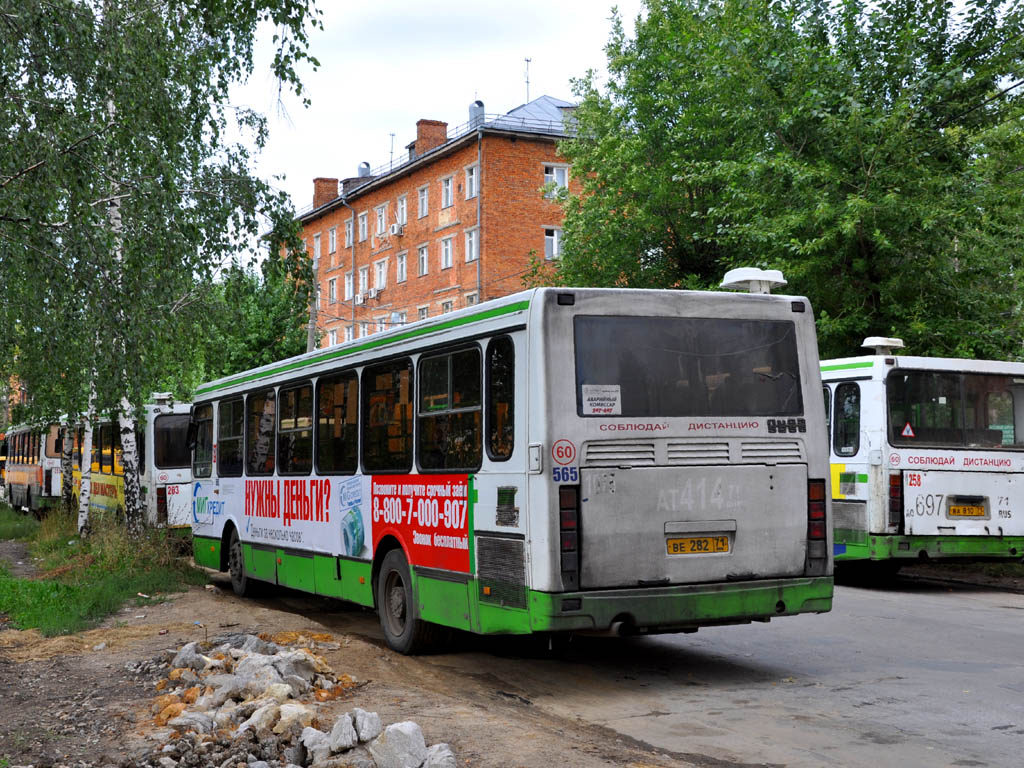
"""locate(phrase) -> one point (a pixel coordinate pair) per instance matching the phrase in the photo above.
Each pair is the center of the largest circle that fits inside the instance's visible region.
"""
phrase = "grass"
(14, 525)
(85, 580)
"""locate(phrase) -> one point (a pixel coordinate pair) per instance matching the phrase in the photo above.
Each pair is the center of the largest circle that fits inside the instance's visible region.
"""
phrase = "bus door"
(849, 449)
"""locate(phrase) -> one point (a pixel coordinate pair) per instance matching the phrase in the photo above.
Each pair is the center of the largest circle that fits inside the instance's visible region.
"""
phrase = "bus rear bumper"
(679, 608)
(860, 546)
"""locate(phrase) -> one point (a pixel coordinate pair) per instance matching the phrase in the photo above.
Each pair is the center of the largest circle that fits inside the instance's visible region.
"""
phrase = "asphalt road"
(913, 675)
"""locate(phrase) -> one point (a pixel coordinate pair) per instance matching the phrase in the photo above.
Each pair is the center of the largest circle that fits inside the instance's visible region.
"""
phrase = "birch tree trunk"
(67, 471)
(84, 489)
(133, 510)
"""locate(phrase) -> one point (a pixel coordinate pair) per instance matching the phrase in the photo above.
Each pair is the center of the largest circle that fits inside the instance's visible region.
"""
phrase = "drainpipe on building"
(311, 330)
(353, 297)
(479, 221)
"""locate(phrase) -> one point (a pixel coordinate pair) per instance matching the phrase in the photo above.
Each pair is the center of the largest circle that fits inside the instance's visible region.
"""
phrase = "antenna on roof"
(391, 160)
(527, 79)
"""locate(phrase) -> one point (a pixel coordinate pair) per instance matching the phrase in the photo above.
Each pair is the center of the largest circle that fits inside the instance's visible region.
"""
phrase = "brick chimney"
(430, 134)
(324, 190)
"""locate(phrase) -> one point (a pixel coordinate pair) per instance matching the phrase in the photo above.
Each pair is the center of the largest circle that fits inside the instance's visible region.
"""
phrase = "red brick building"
(452, 224)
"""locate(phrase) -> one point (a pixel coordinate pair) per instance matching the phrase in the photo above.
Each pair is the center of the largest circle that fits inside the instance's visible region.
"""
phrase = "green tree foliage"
(262, 317)
(123, 188)
(872, 151)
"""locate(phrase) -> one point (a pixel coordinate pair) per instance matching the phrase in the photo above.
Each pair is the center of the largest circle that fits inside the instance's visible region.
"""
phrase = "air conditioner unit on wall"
(395, 229)
(359, 298)
(373, 293)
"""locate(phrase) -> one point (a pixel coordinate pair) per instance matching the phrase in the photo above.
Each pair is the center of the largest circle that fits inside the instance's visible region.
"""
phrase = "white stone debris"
(368, 725)
(401, 745)
(343, 734)
(440, 756)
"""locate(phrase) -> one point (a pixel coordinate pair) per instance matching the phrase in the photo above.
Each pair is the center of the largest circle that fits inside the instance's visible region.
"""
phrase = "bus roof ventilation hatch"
(161, 398)
(753, 280)
(882, 345)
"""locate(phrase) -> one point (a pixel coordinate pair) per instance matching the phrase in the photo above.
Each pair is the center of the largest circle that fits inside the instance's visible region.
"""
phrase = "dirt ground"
(75, 700)
(84, 699)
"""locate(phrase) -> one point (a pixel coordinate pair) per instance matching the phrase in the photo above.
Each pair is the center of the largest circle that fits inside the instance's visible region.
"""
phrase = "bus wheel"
(404, 631)
(240, 583)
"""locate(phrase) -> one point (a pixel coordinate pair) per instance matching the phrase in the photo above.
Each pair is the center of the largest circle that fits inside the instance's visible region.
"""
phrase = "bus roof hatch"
(882, 345)
(753, 280)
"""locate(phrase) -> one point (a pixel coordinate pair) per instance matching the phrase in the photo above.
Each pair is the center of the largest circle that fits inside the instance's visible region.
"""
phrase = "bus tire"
(404, 631)
(241, 584)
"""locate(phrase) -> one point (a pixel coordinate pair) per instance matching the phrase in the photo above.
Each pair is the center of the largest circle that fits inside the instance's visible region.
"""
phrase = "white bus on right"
(927, 457)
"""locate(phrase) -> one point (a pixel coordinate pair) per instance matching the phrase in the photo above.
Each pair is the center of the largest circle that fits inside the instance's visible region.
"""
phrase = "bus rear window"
(956, 410)
(686, 367)
(170, 439)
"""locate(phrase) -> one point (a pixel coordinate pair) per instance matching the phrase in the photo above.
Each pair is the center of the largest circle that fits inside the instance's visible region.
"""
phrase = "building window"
(348, 233)
(423, 260)
(364, 279)
(382, 324)
(348, 286)
(446, 307)
(316, 246)
(471, 178)
(423, 193)
(364, 329)
(552, 243)
(349, 333)
(556, 175)
(362, 226)
(382, 219)
(332, 290)
(332, 337)
(447, 197)
(401, 318)
(380, 274)
(402, 214)
(332, 240)
(472, 246)
(423, 313)
(446, 253)
(471, 299)
(400, 268)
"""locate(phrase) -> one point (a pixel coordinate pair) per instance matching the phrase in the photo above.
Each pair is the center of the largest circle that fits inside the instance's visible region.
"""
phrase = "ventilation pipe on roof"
(753, 280)
(476, 114)
(882, 345)
(363, 170)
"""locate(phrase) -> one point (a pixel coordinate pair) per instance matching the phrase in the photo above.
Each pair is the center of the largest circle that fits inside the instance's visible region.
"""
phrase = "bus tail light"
(896, 499)
(817, 529)
(161, 505)
(568, 534)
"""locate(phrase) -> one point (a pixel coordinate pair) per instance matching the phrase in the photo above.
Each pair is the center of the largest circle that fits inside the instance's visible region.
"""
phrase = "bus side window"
(115, 431)
(77, 457)
(827, 394)
(450, 411)
(999, 417)
(202, 457)
(846, 420)
(501, 367)
(230, 434)
(106, 449)
(295, 431)
(94, 458)
(260, 418)
(387, 416)
(337, 430)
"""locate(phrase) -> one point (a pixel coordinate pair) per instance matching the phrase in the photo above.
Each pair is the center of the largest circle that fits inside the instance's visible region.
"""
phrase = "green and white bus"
(558, 460)
(927, 457)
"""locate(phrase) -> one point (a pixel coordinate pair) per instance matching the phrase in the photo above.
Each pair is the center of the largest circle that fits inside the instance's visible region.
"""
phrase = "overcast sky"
(386, 64)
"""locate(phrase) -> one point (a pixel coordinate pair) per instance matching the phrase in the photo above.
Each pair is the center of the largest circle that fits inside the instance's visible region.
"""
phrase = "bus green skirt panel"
(927, 457)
